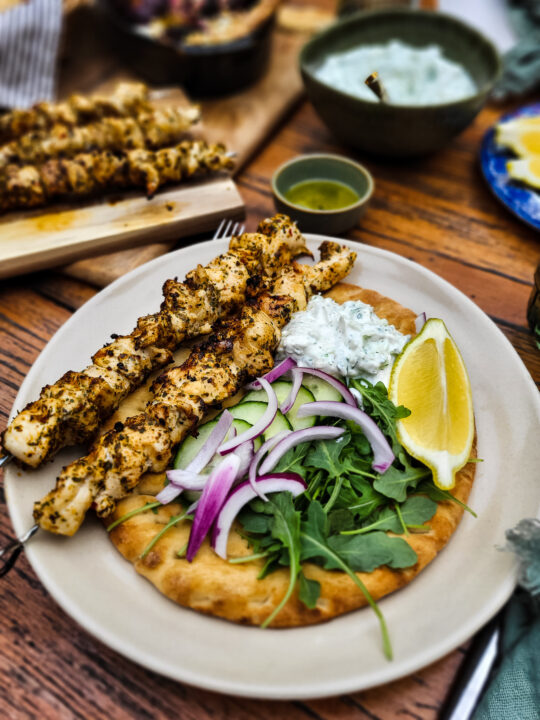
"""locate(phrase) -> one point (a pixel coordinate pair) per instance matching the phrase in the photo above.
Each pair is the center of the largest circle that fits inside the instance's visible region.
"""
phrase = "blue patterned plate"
(519, 199)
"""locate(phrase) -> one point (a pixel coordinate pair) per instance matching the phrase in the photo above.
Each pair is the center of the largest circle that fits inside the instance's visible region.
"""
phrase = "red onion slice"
(186, 480)
(241, 495)
(420, 321)
(213, 441)
(291, 397)
(213, 496)
(169, 493)
(245, 452)
(320, 432)
(266, 419)
(261, 452)
(383, 456)
(276, 372)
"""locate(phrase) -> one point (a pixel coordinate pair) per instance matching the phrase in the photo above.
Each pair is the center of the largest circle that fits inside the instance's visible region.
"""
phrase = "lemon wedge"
(430, 378)
(527, 170)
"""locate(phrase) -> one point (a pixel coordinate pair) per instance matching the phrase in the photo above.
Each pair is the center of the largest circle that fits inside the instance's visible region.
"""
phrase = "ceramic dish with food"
(455, 51)
(345, 653)
(209, 49)
(508, 149)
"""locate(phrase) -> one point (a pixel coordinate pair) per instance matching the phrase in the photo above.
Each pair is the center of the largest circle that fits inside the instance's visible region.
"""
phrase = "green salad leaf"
(314, 545)
(285, 527)
(308, 590)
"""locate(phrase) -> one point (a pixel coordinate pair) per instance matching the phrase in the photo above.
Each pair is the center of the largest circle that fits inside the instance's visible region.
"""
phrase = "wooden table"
(436, 211)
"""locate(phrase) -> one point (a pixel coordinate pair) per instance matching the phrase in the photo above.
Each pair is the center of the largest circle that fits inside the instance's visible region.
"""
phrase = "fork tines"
(228, 229)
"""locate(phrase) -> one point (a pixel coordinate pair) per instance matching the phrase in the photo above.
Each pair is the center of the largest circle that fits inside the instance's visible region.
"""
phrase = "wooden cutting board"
(36, 240)
(242, 121)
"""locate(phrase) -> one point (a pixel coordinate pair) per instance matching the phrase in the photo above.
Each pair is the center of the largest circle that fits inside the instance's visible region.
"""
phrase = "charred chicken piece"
(128, 99)
(88, 174)
(150, 130)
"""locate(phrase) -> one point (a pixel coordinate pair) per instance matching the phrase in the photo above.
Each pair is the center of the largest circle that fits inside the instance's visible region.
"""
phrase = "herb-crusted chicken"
(151, 130)
(98, 172)
(240, 348)
(128, 99)
(71, 410)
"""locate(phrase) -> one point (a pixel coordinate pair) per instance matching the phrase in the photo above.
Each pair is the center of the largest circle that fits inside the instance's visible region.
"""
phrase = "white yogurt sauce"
(347, 340)
(411, 76)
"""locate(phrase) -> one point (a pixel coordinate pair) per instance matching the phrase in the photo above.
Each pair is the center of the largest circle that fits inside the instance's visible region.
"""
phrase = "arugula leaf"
(324, 455)
(367, 498)
(254, 522)
(340, 520)
(364, 553)
(415, 511)
(293, 460)
(308, 591)
(378, 405)
(285, 527)
(438, 495)
(314, 546)
(394, 483)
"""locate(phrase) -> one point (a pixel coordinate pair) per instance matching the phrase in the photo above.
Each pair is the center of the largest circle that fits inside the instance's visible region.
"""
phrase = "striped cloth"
(29, 35)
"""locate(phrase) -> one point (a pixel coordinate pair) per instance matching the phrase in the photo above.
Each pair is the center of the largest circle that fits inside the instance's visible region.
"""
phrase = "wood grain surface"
(436, 211)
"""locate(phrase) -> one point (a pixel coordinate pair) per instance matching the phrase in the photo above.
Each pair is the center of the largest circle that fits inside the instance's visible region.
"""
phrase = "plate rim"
(317, 688)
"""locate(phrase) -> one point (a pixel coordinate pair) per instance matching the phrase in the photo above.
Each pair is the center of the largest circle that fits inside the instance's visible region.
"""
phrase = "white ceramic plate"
(445, 605)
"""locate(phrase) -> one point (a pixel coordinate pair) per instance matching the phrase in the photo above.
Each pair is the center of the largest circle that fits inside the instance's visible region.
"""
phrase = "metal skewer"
(10, 553)
(5, 459)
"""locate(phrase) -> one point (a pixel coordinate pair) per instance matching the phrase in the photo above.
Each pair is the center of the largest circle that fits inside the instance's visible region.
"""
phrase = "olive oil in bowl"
(322, 195)
(325, 194)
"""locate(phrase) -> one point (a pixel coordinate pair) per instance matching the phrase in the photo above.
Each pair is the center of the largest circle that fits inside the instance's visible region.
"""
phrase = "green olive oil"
(321, 195)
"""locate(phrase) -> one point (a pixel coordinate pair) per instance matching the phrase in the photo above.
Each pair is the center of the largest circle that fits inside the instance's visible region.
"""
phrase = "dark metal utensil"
(474, 673)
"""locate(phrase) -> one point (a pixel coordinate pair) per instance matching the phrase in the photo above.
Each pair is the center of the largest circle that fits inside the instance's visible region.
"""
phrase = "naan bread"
(232, 591)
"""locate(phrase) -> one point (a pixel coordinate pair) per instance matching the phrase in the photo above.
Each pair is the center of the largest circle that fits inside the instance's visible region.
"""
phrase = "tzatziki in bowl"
(437, 71)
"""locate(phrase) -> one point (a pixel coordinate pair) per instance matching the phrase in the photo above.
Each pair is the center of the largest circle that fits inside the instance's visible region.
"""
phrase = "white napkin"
(29, 35)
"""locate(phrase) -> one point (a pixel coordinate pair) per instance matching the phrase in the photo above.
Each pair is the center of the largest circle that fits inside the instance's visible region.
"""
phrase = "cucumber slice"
(320, 389)
(252, 411)
(282, 388)
(191, 445)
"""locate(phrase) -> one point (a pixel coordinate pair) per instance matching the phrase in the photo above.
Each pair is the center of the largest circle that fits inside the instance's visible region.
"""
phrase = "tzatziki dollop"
(348, 340)
(411, 75)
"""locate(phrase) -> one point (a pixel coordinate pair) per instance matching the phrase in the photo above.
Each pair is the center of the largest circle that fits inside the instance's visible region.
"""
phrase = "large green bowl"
(399, 130)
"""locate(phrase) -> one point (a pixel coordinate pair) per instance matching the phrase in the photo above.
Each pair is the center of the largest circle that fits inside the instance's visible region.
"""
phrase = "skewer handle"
(374, 83)
(10, 553)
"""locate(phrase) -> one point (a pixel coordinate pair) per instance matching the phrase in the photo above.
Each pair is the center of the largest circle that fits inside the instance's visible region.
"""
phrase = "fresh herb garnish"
(149, 506)
(172, 522)
(285, 527)
(315, 546)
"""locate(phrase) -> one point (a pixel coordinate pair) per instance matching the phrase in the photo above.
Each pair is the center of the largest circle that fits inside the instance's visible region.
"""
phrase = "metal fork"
(10, 552)
(227, 229)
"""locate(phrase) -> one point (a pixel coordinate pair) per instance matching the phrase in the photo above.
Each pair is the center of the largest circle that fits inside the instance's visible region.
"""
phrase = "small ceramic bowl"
(399, 130)
(323, 167)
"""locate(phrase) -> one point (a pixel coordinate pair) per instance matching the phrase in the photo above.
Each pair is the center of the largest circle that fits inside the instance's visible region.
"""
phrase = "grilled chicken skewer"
(241, 348)
(91, 173)
(150, 130)
(128, 99)
(71, 410)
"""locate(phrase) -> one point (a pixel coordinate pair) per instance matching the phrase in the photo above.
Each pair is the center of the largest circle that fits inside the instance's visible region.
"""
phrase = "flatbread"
(232, 591)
